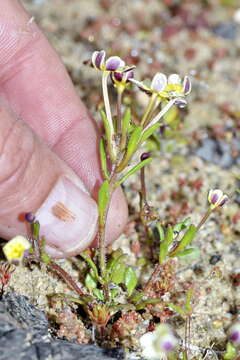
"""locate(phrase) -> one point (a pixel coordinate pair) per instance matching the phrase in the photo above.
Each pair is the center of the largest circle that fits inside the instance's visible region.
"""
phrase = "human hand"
(48, 144)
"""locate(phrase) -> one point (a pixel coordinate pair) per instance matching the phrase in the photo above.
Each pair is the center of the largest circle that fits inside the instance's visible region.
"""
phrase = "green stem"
(149, 109)
(112, 148)
(161, 113)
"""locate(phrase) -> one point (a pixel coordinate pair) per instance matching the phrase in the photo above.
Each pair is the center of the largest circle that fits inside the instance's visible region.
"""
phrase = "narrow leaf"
(185, 241)
(177, 308)
(99, 294)
(130, 280)
(131, 148)
(147, 133)
(91, 265)
(125, 128)
(103, 159)
(103, 200)
(164, 245)
(133, 170)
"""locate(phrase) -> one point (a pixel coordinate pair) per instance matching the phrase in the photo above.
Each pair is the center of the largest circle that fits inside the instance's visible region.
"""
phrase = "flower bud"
(217, 198)
(30, 217)
(144, 156)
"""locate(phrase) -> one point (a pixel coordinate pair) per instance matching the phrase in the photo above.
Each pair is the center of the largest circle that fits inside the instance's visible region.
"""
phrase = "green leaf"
(136, 297)
(103, 159)
(147, 133)
(149, 301)
(130, 280)
(182, 225)
(160, 232)
(185, 241)
(231, 352)
(91, 264)
(103, 200)
(177, 308)
(90, 282)
(131, 148)
(45, 258)
(99, 294)
(125, 128)
(133, 170)
(117, 274)
(164, 245)
(186, 252)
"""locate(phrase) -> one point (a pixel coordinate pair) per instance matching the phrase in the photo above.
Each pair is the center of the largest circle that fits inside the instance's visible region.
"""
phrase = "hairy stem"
(66, 277)
(204, 219)
(119, 112)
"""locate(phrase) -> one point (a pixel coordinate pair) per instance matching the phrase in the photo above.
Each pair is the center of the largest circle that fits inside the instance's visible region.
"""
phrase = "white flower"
(167, 88)
(157, 344)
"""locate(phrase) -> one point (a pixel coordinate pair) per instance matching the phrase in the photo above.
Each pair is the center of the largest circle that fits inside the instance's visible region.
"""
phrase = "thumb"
(32, 178)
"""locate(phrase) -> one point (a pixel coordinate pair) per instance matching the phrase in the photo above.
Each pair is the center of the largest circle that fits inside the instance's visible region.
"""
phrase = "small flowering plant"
(110, 285)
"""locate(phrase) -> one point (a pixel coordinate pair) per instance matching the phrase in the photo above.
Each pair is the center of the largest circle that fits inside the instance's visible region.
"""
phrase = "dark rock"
(218, 152)
(226, 31)
(215, 259)
(24, 335)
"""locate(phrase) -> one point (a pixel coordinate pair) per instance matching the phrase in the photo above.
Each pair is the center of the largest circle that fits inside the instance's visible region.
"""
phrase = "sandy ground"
(191, 39)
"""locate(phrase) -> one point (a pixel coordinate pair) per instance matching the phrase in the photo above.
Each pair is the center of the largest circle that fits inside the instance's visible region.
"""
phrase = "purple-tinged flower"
(113, 63)
(216, 198)
(234, 334)
(157, 344)
(167, 88)
(122, 77)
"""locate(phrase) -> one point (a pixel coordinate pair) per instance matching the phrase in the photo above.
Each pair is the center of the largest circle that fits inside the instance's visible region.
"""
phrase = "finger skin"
(29, 173)
(34, 82)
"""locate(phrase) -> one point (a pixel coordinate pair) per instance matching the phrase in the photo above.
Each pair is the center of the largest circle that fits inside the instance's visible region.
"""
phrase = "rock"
(226, 31)
(217, 152)
(24, 335)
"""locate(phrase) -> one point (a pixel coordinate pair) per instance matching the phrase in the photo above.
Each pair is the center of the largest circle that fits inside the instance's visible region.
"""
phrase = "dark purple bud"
(180, 103)
(144, 156)
(186, 85)
(114, 63)
(124, 76)
(29, 217)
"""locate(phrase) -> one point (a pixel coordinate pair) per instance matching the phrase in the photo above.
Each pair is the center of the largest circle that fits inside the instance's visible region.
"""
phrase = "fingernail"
(68, 219)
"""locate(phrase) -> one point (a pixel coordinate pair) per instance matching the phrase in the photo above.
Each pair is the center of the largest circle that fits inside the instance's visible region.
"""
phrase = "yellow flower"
(15, 248)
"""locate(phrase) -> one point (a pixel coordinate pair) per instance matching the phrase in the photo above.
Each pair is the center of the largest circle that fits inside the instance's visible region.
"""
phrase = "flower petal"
(214, 196)
(159, 82)
(174, 79)
(98, 58)
(187, 86)
(114, 63)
